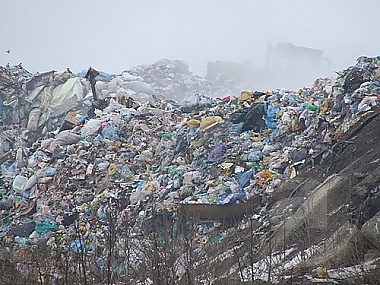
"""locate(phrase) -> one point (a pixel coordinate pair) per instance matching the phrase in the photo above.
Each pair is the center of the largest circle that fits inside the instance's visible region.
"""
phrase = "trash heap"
(65, 161)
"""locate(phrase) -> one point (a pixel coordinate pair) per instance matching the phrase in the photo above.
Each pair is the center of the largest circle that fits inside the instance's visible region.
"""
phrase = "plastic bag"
(91, 127)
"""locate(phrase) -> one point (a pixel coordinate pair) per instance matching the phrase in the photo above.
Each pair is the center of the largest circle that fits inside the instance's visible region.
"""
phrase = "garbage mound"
(155, 138)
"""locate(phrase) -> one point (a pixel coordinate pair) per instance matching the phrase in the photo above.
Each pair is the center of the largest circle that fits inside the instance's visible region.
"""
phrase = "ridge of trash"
(157, 137)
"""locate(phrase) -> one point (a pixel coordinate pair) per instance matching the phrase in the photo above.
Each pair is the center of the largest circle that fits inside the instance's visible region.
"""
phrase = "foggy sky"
(115, 35)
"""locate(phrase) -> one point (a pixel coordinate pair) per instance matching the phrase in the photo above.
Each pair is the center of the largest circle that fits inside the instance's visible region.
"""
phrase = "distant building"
(287, 66)
(291, 64)
(245, 74)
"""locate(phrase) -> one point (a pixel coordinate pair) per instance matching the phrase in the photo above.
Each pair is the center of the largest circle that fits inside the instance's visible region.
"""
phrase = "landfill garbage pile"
(39, 101)
(67, 163)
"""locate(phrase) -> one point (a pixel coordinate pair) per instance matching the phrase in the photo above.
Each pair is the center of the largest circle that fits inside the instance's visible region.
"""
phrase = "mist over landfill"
(189, 143)
(116, 35)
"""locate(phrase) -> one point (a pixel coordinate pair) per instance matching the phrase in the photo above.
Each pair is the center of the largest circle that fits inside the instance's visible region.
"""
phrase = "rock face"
(371, 230)
(340, 248)
(314, 212)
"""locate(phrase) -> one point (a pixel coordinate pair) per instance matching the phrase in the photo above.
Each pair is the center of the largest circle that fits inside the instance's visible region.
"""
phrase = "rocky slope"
(322, 226)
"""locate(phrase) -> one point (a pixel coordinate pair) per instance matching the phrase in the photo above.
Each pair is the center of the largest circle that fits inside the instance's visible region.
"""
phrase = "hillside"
(157, 176)
(320, 227)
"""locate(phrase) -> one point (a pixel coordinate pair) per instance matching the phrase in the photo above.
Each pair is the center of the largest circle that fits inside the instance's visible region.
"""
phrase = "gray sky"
(115, 35)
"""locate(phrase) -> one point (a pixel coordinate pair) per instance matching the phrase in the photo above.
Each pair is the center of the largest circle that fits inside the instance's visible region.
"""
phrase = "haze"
(115, 35)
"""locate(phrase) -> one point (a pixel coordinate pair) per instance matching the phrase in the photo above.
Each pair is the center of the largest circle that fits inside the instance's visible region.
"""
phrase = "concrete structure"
(286, 66)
